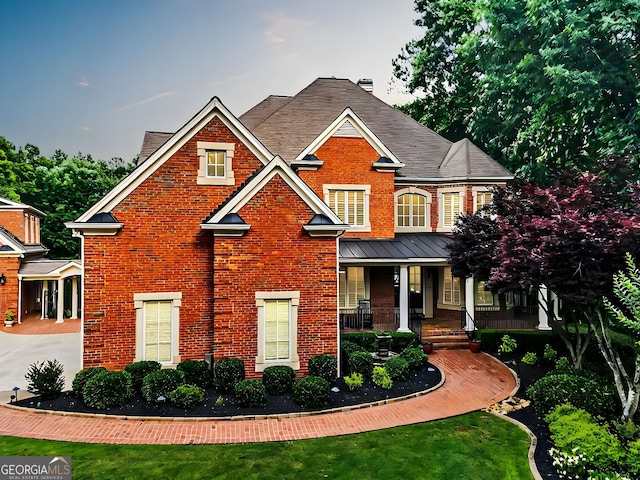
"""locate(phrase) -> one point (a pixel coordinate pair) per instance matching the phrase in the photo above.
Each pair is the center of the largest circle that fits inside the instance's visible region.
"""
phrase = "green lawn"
(474, 446)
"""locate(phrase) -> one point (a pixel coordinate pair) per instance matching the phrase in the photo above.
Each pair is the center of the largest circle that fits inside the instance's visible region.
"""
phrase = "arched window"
(413, 211)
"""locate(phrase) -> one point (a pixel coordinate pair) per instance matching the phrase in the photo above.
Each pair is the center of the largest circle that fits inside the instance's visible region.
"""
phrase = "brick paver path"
(473, 381)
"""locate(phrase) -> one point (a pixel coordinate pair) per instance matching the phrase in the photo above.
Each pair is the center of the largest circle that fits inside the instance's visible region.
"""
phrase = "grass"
(473, 446)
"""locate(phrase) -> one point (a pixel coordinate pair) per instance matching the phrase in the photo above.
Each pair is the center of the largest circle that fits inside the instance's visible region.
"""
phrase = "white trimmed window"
(352, 287)
(483, 296)
(482, 198)
(350, 203)
(157, 326)
(450, 201)
(277, 329)
(450, 288)
(215, 167)
(413, 209)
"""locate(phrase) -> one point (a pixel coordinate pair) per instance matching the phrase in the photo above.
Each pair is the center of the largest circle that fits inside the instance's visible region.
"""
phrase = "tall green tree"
(541, 85)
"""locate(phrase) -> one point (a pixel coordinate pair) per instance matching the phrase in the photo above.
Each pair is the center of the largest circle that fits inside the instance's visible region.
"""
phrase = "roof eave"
(95, 229)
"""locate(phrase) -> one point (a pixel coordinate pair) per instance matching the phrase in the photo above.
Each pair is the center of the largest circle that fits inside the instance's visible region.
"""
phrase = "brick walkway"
(473, 381)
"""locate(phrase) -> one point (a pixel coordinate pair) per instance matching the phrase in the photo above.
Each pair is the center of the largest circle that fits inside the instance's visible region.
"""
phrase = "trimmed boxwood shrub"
(111, 388)
(187, 396)
(196, 372)
(415, 357)
(397, 368)
(161, 383)
(312, 392)
(226, 373)
(362, 363)
(82, 377)
(595, 397)
(250, 394)
(278, 379)
(325, 366)
(45, 379)
(139, 370)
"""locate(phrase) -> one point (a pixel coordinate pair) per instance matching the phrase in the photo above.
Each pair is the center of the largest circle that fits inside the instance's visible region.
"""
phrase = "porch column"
(470, 304)
(74, 297)
(19, 300)
(45, 299)
(60, 301)
(543, 318)
(404, 299)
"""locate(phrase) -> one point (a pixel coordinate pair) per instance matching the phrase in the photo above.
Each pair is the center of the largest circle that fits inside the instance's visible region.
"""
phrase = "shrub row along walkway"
(473, 381)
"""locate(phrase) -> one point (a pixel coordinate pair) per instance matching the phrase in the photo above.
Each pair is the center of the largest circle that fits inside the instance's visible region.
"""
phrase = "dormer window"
(216, 163)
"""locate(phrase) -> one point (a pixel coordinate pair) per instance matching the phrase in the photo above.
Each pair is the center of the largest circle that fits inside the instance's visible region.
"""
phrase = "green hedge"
(528, 341)
(367, 340)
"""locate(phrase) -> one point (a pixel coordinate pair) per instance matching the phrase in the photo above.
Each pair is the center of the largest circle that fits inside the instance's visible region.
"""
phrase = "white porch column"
(60, 303)
(45, 299)
(404, 299)
(19, 300)
(74, 297)
(470, 304)
(543, 318)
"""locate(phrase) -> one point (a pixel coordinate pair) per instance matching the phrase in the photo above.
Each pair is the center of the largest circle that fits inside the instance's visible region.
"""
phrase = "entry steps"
(445, 339)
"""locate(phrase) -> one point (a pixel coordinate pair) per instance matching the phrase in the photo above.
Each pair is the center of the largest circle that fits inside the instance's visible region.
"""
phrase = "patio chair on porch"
(365, 315)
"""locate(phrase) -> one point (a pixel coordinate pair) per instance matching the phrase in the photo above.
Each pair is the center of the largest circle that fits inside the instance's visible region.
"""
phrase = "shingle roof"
(43, 266)
(151, 142)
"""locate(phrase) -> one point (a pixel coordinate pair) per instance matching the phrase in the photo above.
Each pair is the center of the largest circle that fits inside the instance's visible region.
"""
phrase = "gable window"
(215, 163)
(157, 326)
(450, 288)
(277, 329)
(413, 209)
(351, 286)
(350, 203)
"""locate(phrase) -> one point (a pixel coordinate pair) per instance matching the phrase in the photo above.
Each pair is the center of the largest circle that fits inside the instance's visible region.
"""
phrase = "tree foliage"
(541, 85)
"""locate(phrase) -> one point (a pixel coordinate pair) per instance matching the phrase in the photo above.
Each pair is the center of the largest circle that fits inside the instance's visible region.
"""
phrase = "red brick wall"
(382, 294)
(348, 161)
(161, 248)
(9, 291)
(13, 221)
(276, 254)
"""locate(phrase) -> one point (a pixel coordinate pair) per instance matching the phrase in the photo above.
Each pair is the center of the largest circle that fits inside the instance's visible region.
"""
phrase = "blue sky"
(91, 76)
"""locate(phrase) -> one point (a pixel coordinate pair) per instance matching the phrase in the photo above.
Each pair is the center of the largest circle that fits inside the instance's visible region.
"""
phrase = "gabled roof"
(288, 125)
(214, 109)
(151, 142)
(465, 160)
(226, 219)
(6, 204)
(46, 268)
(12, 245)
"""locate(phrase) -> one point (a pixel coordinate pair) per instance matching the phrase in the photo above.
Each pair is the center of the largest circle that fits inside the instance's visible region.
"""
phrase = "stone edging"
(231, 418)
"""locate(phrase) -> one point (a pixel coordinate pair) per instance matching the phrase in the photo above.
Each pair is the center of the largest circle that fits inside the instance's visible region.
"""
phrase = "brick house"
(260, 237)
(30, 283)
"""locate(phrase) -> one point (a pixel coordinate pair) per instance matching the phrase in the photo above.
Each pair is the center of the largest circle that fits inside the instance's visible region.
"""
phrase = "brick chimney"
(366, 84)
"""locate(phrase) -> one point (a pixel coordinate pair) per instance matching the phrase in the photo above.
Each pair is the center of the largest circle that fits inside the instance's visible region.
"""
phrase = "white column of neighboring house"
(74, 297)
(543, 318)
(469, 302)
(404, 299)
(45, 298)
(60, 301)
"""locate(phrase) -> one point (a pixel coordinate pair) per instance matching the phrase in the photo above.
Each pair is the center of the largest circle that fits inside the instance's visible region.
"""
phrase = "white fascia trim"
(8, 241)
(369, 136)
(94, 229)
(394, 261)
(403, 180)
(276, 166)
(71, 269)
(213, 109)
(325, 230)
(17, 206)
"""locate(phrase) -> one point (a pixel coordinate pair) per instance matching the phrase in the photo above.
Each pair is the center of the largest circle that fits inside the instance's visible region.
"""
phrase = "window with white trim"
(412, 211)
(450, 288)
(277, 329)
(351, 286)
(157, 326)
(482, 199)
(215, 163)
(350, 203)
(483, 296)
(450, 208)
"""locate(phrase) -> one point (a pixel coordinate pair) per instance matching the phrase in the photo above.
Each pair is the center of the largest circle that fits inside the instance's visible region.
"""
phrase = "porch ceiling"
(414, 248)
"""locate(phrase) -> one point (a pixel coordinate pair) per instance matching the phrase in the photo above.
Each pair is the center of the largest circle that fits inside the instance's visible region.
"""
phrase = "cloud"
(83, 82)
(142, 102)
(233, 78)
(281, 26)
(84, 129)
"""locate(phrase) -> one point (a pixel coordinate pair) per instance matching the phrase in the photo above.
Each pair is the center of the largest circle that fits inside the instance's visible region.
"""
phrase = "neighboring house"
(29, 282)
(261, 237)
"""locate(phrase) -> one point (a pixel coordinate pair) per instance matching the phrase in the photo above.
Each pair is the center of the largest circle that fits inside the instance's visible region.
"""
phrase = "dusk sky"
(91, 76)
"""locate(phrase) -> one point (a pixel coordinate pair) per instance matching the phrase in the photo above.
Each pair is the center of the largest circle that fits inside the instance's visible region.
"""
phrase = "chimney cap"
(366, 84)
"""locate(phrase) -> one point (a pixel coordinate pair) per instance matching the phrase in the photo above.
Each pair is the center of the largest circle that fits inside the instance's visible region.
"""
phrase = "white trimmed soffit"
(94, 229)
(213, 109)
(349, 115)
(17, 248)
(273, 168)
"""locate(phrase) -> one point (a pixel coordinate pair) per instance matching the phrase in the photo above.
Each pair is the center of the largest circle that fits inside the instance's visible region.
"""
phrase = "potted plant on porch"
(427, 347)
(474, 343)
(9, 318)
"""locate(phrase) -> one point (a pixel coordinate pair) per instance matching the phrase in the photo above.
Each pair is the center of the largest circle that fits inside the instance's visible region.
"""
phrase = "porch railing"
(514, 318)
(384, 319)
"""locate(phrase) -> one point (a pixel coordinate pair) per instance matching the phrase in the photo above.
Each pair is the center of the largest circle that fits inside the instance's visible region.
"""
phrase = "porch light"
(3, 279)
(14, 397)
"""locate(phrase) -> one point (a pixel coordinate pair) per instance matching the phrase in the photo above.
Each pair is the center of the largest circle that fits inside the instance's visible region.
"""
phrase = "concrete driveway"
(17, 352)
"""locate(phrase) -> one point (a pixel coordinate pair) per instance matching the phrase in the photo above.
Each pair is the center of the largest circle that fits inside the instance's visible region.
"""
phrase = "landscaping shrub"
(196, 372)
(161, 383)
(45, 379)
(415, 357)
(596, 397)
(549, 354)
(325, 366)
(361, 362)
(350, 347)
(353, 381)
(111, 388)
(532, 340)
(397, 368)
(530, 358)
(381, 377)
(187, 396)
(278, 379)
(312, 392)
(574, 430)
(250, 393)
(139, 370)
(82, 377)
(226, 373)
(367, 340)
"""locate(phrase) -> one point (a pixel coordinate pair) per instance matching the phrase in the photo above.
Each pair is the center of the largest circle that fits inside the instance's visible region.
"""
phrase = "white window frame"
(478, 193)
(345, 292)
(294, 300)
(442, 194)
(454, 297)
(365, 189)
(483, 297)
(427, 213)
(203, 149)
(139, 300)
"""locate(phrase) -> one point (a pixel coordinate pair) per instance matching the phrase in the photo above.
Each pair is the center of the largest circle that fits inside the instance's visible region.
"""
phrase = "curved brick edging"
(473, 382)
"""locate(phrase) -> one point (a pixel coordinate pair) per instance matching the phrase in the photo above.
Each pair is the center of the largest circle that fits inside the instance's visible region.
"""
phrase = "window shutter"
(277, 321)
(157, 331)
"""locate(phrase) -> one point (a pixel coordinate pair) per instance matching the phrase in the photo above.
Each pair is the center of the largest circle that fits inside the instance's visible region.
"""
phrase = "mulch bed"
(221, 404)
